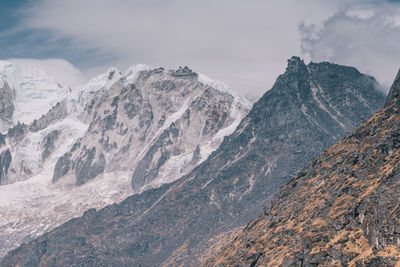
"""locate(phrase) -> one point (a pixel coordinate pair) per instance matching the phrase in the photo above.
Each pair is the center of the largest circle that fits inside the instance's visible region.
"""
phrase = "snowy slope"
(166, 120)
(36, 92)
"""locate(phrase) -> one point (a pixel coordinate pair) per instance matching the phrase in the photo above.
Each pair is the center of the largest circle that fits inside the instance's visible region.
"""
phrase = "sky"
(245, 43)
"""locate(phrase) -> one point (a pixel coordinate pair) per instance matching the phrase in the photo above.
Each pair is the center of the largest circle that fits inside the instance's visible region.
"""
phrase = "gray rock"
(2, 139)
(17, 133)
(147, 169)
(196, 155)
(56, 113)
(5, 162)
(88, 167)
(62, 167)
(184, 72)
(111, 74)
(48, 144)
(7, 103)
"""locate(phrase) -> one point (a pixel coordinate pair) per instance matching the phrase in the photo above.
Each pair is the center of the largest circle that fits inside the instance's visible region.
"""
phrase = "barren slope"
(342, 210)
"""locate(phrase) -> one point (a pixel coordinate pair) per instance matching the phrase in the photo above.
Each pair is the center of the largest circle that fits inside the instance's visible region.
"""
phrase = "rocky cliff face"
(341, 210)
(115, 136)
(5, 160)
(151, 127)
(56, 113)
(308, 109)
(30, 145)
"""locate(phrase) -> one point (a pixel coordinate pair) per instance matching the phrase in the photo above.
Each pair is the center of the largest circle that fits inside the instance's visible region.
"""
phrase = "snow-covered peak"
(132, 72)
(115, 141)
(222, 87)
(36, 91)
(102, 81)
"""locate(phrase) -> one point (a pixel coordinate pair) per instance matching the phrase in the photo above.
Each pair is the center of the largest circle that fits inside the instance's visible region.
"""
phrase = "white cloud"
(61, 70)
(244, 43)
(364, 36)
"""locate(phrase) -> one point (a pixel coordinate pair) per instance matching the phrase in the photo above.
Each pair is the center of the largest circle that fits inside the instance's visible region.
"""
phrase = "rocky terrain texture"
(151, 127)
(341, 210)
(117, 135)
(309, 108)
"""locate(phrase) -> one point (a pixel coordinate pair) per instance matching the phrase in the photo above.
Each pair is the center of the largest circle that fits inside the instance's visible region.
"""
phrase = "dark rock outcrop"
(17, 133)
(62, 167)
(184, 72)
(6, 103)
(56, 113)
(5, 161)
(2, 139)
(308, 109)
(146, 169)
(196, 155)
(48, 143)
(89, 165)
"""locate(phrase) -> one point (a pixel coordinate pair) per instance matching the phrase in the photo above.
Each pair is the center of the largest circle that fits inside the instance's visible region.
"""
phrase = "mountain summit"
(26, 94)
(309, 108)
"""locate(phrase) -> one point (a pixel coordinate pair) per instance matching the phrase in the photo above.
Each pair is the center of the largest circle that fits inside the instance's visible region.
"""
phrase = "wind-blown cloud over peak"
(364, 36)
(61, 70)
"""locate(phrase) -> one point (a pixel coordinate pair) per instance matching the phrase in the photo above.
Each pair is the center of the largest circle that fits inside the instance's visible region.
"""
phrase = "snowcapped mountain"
(151, 126)
(94, 145)
(24, 86)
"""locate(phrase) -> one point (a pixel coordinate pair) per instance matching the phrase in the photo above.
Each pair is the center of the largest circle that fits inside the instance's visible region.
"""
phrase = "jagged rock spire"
(394, 90)
(295, 64)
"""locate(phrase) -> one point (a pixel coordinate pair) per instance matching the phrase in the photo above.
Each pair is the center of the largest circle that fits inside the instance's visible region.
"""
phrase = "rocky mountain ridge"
(341, 210)
(309, 108)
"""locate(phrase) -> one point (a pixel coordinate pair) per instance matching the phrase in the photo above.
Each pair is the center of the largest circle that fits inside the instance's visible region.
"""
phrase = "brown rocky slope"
(341, 210)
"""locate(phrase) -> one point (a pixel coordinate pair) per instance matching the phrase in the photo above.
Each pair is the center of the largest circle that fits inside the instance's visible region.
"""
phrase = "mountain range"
(187, 218)
(341, 210)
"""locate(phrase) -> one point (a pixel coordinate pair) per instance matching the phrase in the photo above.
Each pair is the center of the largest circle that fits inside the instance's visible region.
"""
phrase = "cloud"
(243, 43)
(61, 70)
(364, 36)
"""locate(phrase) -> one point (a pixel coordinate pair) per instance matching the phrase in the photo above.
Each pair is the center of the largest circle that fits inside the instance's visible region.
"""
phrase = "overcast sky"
(245, 43)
